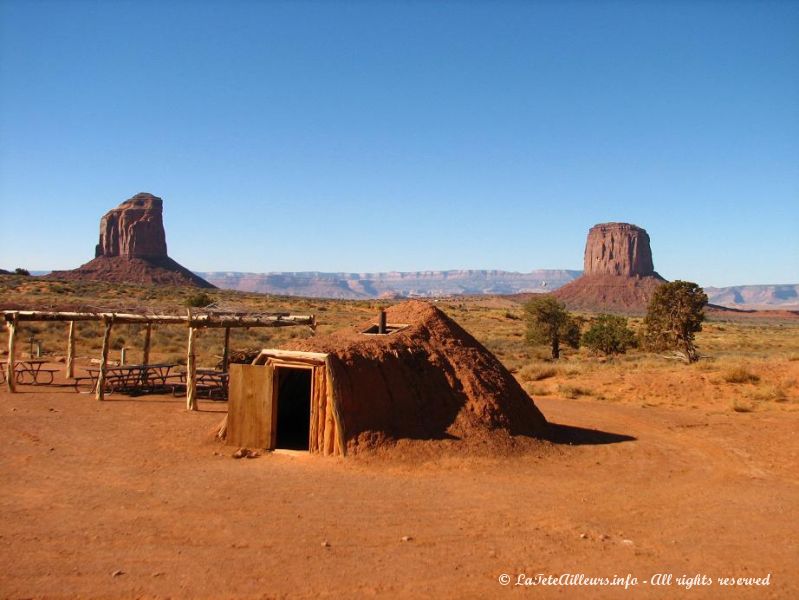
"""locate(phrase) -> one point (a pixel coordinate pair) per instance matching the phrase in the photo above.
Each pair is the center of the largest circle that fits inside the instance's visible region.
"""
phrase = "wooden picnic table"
(31, 372)
(128, 378)
(211, 384)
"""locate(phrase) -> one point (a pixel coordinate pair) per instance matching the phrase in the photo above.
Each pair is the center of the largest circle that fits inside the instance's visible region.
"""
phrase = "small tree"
(21, 271)
(674, 316)
(609, 334)
(200, 300)
(549, 323)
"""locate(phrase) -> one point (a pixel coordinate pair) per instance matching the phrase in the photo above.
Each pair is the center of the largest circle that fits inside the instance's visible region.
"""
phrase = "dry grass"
(536, 373)
(573, 391)
(740, 375)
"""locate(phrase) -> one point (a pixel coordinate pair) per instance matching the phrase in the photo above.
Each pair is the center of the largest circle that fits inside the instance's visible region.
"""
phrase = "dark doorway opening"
(293, 408)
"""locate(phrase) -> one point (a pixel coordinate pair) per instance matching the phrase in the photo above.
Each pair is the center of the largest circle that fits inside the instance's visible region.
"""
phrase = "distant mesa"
(132, 249)
(618, 272)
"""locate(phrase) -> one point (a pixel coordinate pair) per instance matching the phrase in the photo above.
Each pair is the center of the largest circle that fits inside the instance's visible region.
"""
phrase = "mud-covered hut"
(416, 375)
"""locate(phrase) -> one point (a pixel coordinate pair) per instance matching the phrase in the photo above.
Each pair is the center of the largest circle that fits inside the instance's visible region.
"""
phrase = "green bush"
(674, 316)
(609, 334)
(200, 300)
(549, 323)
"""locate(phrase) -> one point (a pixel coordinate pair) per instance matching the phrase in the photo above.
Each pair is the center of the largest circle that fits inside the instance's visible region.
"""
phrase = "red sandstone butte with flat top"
(618, 271)
(132, 249)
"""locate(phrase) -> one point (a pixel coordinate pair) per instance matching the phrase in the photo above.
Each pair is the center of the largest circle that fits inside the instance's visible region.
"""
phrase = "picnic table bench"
(130, 379)
(211, 384)
(30, 372)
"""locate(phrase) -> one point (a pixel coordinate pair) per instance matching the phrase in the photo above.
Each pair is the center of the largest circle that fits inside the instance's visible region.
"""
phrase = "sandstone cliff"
(619, 274)
(134, 229)
(132, 249)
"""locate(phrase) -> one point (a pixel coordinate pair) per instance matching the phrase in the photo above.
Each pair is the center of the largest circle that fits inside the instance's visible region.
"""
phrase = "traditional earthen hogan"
(423, 378)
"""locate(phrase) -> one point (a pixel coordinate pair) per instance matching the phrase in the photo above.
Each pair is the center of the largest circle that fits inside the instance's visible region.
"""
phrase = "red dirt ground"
(131, 498)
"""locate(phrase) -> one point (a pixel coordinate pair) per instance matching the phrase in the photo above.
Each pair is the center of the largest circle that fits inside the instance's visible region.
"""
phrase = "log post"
(226, 350)
(146, 353)
(100, 391)
(71, 351)
(191, 373)
(381, 323)
(12, 341)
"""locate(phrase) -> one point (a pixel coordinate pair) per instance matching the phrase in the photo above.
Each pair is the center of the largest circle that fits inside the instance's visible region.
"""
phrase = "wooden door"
(252, 410)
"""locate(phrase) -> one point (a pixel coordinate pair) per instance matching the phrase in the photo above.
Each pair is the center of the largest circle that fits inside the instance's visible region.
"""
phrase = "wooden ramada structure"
(415, 374)
(193, 321)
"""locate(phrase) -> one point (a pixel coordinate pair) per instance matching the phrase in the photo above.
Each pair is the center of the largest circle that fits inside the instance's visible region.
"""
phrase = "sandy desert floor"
(132, 498)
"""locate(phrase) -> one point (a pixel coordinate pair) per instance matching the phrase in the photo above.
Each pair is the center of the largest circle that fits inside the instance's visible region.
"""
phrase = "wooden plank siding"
(252, 411)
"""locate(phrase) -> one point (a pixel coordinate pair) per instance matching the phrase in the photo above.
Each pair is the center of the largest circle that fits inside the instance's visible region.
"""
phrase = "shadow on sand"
(580, 436)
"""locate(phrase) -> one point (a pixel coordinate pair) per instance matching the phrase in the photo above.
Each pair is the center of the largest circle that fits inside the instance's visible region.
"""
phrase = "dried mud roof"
(413, 321)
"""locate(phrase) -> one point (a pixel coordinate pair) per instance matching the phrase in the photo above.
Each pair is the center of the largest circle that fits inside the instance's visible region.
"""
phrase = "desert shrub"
(740, 375)
(118, 343)
(771, 393)
(609, 334)
(536, 390)
(674, 316)
(200, 300)
(549, 323)
(21, 271)
(573, 391)
(742, 407)
(537, 373)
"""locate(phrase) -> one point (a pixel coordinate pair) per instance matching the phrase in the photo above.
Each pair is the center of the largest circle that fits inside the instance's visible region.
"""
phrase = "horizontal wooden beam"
(314, 358)
(198, 321)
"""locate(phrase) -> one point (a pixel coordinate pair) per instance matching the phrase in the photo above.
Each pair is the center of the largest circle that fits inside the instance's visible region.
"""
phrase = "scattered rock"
(583, 536)
(628, 543)
(325, 544)
(117, 573)
(407, 538)
(157, 574)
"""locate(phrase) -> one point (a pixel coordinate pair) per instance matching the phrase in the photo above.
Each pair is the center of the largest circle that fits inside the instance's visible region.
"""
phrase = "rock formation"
(429, 284)
(134, 229)
(619, 275)
(132, 249)
(618, 249)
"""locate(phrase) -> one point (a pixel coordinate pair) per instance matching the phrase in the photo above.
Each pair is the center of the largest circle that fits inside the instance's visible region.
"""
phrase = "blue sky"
(373, 136)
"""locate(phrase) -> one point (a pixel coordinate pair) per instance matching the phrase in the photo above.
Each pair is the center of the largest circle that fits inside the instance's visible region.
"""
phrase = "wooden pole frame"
(191, 373)
(226, 350)
(70, 364)
(100, 391)
(11, 325)
(145, 360)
